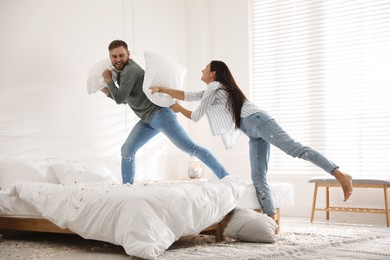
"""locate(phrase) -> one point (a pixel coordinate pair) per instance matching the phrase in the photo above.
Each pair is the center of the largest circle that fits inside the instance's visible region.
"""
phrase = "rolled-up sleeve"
(193, 96)
(204, 106)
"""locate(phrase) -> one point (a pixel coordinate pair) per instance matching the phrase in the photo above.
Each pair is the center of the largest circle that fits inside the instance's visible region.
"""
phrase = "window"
(322, 70)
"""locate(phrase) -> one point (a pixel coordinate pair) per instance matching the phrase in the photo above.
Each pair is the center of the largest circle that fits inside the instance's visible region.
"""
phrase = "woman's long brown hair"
(236, 97)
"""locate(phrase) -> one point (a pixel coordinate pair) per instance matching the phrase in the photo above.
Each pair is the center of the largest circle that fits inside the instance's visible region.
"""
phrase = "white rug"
(296, 241)
(327, 242)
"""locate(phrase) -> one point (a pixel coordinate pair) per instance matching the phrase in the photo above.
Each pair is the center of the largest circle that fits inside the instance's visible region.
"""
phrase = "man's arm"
(120, 93)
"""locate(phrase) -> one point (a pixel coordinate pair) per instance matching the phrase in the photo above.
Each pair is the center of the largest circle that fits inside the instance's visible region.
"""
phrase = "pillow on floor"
(250, 226)
(76, 173)
(162, 72)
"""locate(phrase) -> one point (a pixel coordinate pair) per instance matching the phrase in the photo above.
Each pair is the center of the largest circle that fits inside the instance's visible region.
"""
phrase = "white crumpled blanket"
(144, 219)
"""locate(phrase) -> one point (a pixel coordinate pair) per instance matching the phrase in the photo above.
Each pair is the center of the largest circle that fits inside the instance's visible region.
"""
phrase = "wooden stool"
(359, 182)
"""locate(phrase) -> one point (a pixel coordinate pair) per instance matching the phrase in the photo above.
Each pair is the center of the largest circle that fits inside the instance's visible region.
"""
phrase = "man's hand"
(107, 76)
(105, 91)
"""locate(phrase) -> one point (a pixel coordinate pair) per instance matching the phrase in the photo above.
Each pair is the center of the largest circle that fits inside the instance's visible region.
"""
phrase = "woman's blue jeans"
(164, 121)
(262, 131)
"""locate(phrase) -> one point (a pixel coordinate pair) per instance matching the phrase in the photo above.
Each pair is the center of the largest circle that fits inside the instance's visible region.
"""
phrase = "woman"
(228, 110)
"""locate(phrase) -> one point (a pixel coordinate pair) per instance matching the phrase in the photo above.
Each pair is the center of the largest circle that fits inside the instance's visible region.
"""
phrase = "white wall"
(46, 51)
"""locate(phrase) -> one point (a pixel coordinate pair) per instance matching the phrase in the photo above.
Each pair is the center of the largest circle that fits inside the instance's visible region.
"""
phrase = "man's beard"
(119, 66)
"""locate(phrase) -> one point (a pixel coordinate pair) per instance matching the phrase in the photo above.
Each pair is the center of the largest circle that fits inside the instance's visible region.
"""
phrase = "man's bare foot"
(345, 181)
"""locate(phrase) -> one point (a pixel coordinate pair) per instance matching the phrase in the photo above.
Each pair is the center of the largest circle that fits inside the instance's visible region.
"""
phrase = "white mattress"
(282, 193)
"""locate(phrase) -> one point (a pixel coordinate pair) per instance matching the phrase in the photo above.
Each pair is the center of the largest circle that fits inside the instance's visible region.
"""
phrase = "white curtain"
(322, 70)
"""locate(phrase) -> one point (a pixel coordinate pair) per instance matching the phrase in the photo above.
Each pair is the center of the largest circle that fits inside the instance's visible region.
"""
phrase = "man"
(153, 119)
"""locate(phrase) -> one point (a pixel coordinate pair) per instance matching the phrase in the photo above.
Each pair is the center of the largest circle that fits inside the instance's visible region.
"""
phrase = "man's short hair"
(117, 43)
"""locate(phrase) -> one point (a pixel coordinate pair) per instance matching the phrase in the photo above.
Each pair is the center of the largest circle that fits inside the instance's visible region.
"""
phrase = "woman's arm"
(179, 109)
(178, 94)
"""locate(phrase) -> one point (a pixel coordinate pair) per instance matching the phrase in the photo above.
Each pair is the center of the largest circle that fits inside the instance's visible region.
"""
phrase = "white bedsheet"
(144, 219)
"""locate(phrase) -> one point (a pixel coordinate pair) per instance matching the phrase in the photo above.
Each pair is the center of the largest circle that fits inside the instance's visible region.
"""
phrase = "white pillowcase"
(162, 72)
(12, 172)
(95, 81)
(77, 173)
(250, 226)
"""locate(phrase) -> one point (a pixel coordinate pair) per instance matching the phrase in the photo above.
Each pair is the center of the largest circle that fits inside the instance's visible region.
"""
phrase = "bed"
(108, 211)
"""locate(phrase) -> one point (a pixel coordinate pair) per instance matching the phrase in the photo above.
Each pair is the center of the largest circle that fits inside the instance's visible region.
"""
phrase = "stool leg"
(387, 206)
(313, 207)
(327, 203)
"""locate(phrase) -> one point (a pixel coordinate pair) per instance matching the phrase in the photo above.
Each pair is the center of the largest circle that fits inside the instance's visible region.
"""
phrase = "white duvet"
(144, 219)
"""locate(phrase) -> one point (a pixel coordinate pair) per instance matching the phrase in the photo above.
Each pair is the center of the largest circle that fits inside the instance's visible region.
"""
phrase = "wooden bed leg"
(313, 207)
(222, 225)
(218, 233)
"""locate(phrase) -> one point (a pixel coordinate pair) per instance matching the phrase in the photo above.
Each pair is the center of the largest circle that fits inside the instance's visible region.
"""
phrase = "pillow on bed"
(76, 173)
(162, 72)
(95, 81)
(251, 226)
(12, 172)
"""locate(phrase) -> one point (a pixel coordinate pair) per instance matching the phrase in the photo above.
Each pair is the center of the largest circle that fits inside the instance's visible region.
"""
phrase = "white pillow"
(76, 173)
(250, 226)
(162, 72)
(95, 81)
(12, 172)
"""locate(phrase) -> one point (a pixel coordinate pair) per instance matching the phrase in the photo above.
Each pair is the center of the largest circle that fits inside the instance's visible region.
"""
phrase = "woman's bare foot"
(345, 181)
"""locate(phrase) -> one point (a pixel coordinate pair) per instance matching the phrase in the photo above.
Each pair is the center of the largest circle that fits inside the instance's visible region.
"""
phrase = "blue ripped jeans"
(164, 121)
(262, 131)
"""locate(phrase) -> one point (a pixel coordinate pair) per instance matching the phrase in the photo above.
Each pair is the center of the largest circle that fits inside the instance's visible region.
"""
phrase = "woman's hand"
(176, 107)
(155, 89)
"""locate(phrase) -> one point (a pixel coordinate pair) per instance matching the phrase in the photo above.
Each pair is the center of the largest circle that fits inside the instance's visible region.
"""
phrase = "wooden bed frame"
(44, 225)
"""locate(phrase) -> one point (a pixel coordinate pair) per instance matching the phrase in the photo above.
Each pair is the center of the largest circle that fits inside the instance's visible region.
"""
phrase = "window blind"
(322, 70)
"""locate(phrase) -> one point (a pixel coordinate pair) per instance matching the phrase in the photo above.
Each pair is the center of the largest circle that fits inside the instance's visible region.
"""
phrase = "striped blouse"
(213, 102)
